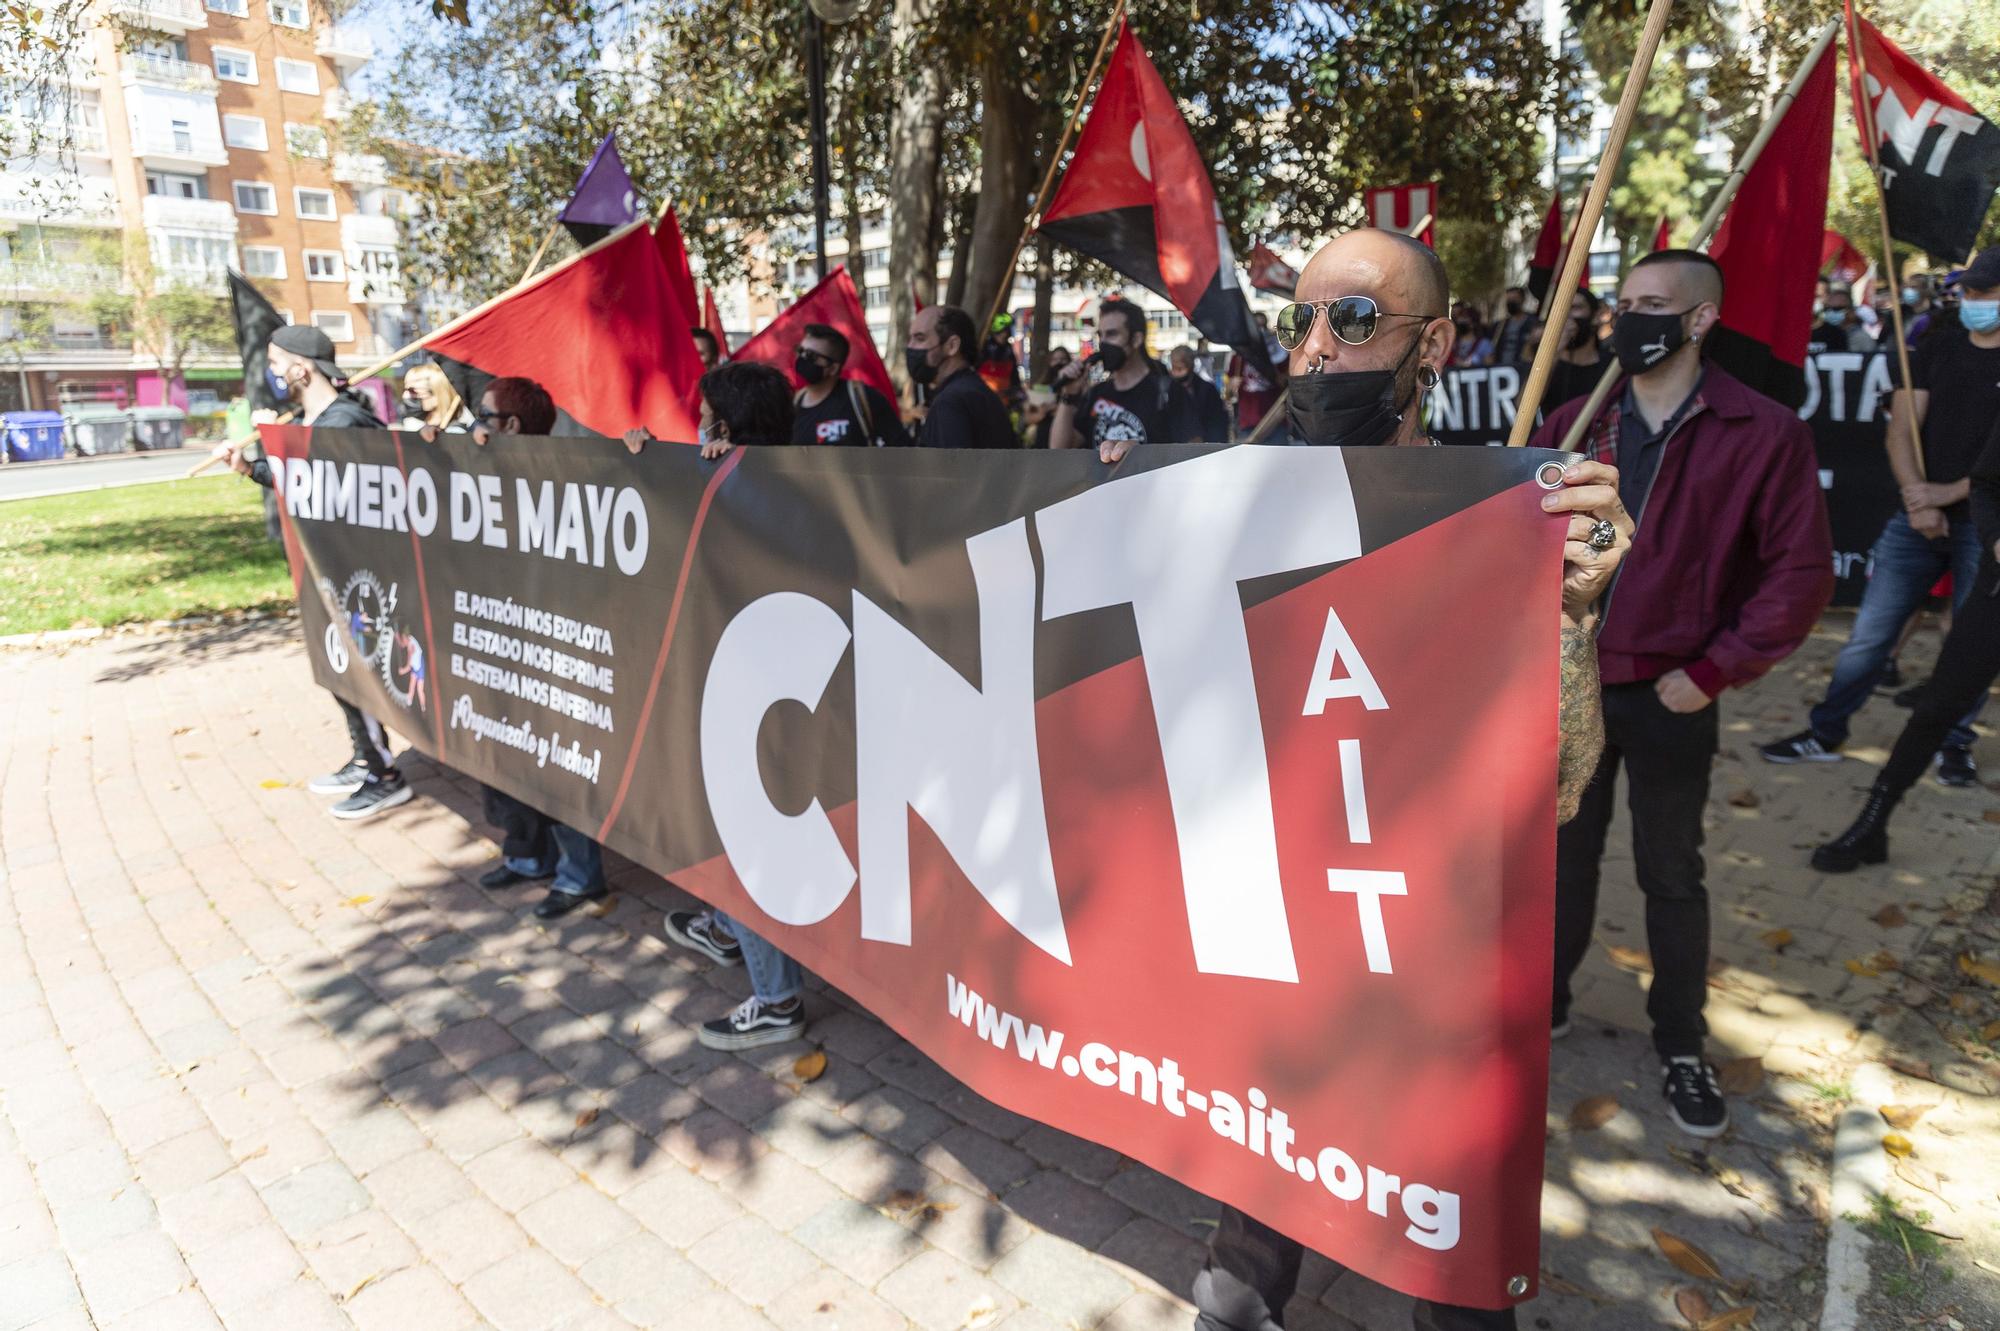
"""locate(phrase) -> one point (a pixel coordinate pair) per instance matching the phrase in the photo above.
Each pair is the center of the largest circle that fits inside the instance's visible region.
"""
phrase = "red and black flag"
(256, 320)
(1839, 258)
(1270, 273)
(1137, 198)
(1767, 246)
(1548, 252)
(1663, 236)
(604, 332)
(1939, 159)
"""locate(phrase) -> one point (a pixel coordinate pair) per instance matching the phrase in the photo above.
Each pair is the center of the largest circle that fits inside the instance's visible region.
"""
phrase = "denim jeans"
(579, 862)
(1906, 567)
(774, 977)
(526, 845)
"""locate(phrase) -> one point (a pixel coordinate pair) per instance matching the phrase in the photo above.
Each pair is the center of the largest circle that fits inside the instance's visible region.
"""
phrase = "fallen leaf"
(588, 1117)
(271, 784)
(183, 730)
(1863, 967)
(981, 1312)
(1592, 1114)
(1897, 1145)
(366, 1281)
(361, 900)
(1745, 799)
(1903, 1117)
(1631, 958)
(1776, 939)
(1891, 916)
(601, 907)
(1984, 971)
(1722, 1321)
(1909, 1067)
(904, 1200)
(1686, 1256)
(1692, 1305)
(810, 1066)
(1741, 1076)
(259, 1153)
(1886, 960)
(1991, 815)
(1990, 1031)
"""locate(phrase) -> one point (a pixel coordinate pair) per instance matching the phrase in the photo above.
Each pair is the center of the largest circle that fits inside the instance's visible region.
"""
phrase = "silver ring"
(1603, 535)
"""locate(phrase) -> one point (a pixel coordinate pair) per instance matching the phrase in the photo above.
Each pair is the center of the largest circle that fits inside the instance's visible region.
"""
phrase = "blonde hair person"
(442, 406)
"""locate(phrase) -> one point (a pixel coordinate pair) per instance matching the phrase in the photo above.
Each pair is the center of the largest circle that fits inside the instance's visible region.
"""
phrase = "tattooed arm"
(1580, 716)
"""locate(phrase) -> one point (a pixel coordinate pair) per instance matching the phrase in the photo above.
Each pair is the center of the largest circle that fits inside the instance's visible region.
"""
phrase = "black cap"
(312, 343)
(1983, 273)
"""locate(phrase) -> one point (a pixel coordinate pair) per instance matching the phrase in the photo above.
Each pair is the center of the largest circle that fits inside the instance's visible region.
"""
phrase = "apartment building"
(202, 134)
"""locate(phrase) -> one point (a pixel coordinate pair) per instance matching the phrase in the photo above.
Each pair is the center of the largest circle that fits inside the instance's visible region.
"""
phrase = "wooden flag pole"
(1871, 141)
(212, 460)
(548, 238)
(1711, 221)
(1034, 218)
(1269, 423)
(1586, 225)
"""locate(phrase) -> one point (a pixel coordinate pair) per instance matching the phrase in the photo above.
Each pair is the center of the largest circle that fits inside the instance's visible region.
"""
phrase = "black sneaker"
(1956, 769)
(1559, 1028)
(344, 782)
(695, 930)
(1804, 747)
(559, 903)
(1891, 678)
(1911, 696)
(373, 798)
(755, 1022)
(500, 875)
(1693, 1097)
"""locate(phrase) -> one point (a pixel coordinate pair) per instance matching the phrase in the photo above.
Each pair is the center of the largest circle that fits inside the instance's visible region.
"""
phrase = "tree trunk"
(916, 141)
(1045, 293)
(1006, 161)
(850, 161)
(961, 254)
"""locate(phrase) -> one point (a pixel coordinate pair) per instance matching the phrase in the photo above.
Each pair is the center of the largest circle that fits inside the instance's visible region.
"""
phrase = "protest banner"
(1846, 404)
(1233, 770)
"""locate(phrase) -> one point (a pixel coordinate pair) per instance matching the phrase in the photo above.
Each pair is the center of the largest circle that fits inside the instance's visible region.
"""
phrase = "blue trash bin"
(33, 436)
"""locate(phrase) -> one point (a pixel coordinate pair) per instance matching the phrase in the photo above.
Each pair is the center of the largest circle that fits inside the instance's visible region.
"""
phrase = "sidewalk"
(259, 1069)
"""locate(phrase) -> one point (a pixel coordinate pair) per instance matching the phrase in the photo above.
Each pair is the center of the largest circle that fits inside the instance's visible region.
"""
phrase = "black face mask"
(1513, 305)
(1581, 336)
(811, 369)
(1347, 409)
(1112, 357)
(1641, 341)
(917, 361)
(1055, 373)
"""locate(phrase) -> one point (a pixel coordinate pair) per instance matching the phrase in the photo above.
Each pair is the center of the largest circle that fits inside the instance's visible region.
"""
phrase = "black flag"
(255, 322)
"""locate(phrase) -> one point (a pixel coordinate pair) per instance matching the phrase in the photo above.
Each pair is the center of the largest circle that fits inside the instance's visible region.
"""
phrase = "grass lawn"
(140, 552)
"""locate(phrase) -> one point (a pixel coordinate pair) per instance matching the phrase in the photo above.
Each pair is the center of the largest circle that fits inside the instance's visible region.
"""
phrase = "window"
(246, 132)
(298, 75)
(875, 298)
(290, 14)
(323, 266)
(305, 140)
(237, 8)
(183, 132)
(263, 261)
(235, 66)
(175, 186)
(197, 253)
(313, 203)
(255, 197)
(377, 262)
(336, 324)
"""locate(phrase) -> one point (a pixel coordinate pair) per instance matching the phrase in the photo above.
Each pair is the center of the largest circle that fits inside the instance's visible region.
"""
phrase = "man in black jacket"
(1204, 418)
(301, 368)
(964, 412)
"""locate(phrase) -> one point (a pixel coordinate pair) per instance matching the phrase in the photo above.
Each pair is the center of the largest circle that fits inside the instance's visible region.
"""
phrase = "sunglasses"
(490, 418)
(1350, 318)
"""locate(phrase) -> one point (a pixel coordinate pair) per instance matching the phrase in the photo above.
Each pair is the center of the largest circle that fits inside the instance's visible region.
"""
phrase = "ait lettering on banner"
(1203, 807)
(1847, 406)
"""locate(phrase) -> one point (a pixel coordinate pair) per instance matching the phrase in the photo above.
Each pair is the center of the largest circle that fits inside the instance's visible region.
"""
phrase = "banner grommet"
(1550, 475)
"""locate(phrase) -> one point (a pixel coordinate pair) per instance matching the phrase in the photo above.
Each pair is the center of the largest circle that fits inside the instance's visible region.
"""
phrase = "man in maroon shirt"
(1728, 573)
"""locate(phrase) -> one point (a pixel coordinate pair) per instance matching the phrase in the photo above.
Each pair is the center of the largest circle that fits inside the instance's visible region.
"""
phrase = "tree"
(171, 319)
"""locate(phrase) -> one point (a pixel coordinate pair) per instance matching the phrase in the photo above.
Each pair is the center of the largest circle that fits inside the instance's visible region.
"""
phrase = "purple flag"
(604, 199)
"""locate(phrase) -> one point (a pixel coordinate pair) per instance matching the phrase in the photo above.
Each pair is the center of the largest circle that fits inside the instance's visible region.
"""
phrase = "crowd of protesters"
(1731, 576)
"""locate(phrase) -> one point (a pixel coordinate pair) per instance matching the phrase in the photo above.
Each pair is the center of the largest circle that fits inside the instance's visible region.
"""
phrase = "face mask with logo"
(1347, 409)
(810, 368)
(1642, 341)
(281, 388)
(917, 360)
(1979, 316)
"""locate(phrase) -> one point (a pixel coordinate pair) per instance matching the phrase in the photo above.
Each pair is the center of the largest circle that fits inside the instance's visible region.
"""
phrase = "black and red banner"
(1203, 806)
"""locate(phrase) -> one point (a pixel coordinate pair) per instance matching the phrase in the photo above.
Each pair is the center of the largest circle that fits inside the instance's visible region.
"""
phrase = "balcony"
(209, 279)
(165, 72)
(360, 169)
(374, 288)
(364, 231)
(212, 216)
(57, 200)
(347, 46)
(56, 277)
(336, 103)
(161, 15)
(166, 149)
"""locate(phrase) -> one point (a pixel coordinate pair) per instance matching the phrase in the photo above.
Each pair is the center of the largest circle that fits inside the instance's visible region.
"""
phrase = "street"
(26, 480)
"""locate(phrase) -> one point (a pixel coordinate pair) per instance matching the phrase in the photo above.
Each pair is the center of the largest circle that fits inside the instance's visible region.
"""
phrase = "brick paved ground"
(268, 1071)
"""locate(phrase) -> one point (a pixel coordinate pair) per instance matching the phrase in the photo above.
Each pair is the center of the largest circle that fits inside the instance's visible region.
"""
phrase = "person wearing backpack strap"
(832, 410)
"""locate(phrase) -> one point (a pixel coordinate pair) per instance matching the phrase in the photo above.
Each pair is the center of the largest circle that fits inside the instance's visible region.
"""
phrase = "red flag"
(1548, 252)
(711, 319)
(1769, 261)
(604, 333)
(1270, 273)
(1663, 235)
(1839, 258)
(1400, 207)
(834, 303)
(1940, 159)
(674, 256)
(1137, 198)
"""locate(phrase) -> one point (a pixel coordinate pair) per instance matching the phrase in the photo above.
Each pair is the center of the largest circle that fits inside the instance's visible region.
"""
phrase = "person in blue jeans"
(1906, 565)
(774, 1012)
(1952, 400)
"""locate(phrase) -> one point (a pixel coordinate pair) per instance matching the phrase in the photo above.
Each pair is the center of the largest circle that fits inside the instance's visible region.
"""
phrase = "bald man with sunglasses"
(1369, 334)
